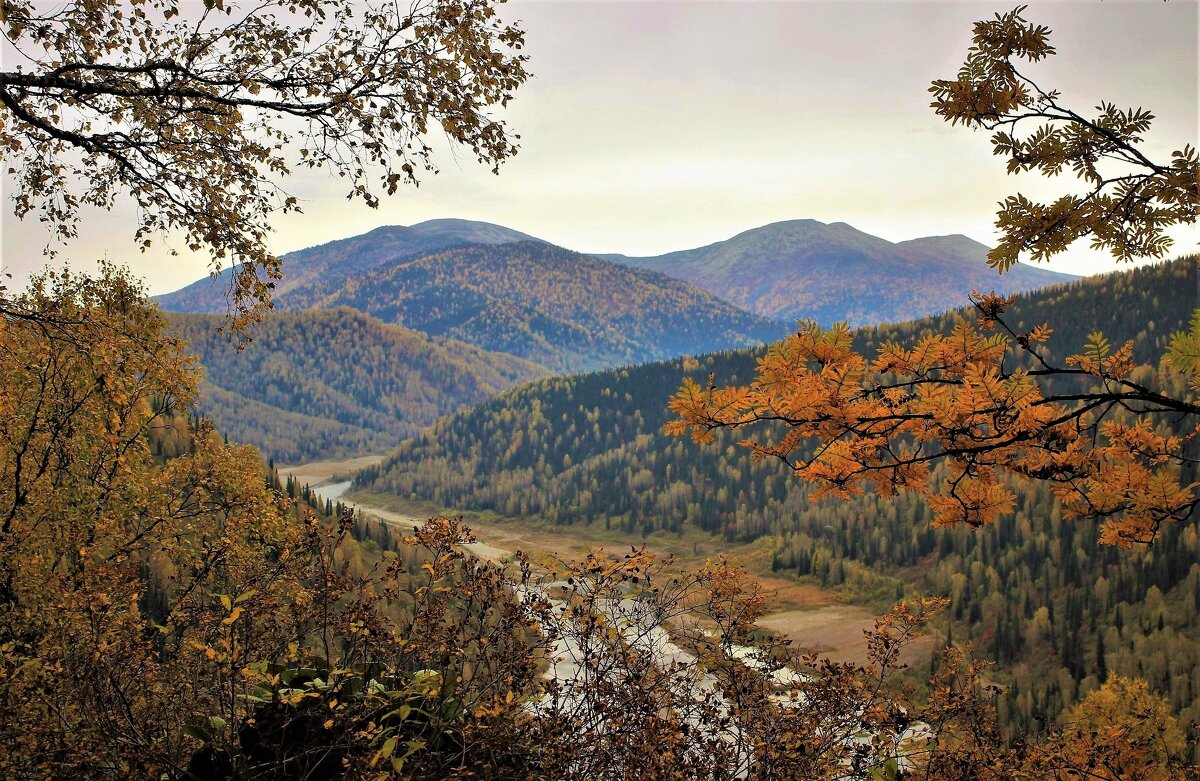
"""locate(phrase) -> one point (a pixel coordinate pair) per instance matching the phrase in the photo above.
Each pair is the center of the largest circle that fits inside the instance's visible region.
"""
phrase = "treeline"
(589, 449)
(328, 383)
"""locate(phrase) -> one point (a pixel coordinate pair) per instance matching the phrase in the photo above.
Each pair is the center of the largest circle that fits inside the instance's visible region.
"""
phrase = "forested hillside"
(327, 383)
(153, 571)
(830, 273)
(559, 308)
(311, 274)
(1057, 610)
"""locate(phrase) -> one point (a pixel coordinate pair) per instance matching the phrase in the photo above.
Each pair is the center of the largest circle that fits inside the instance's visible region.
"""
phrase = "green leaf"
(1183, 354)
(888, 771)
(198, 732)
(389, 747)
(1097, 346)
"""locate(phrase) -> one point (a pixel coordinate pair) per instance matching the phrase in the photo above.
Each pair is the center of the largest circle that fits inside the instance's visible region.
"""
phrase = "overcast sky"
(656, 126)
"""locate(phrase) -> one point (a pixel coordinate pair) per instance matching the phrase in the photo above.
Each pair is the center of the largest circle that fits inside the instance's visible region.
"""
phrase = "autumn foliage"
(1129, 200)
(977, 398)
(198, 111)
(985, 399)
(166, 613)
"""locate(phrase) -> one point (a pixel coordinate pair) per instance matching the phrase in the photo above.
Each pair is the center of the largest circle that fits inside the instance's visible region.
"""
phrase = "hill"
(311, 274)
(504, 291)
(1037, 594)
(807, 269)
(559, 308)
(328, 383)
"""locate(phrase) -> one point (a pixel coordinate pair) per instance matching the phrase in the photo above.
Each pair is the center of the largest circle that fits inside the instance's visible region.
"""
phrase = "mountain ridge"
(507, 291)
(562, 309)
(805, 268)
(326, 265)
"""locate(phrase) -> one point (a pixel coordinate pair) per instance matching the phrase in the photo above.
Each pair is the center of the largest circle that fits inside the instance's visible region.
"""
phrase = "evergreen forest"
(1038, 594)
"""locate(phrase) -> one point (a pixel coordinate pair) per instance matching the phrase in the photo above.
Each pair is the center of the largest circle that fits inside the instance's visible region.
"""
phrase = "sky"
(656, 126)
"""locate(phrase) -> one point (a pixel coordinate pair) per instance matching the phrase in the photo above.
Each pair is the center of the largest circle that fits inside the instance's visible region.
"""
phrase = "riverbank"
(812, 617)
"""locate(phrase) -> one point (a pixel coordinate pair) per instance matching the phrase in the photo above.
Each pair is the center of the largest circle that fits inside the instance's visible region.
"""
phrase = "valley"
(813, 618)
(566, 463)
(560, 449)
(751, 424)
(379, 335)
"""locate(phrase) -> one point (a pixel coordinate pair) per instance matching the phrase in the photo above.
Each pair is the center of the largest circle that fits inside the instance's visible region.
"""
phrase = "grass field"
(316, 473)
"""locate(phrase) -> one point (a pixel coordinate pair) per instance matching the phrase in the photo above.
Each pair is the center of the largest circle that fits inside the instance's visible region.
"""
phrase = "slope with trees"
(336, 382)
(315, 273)
(833, 273)
(530, 299)
(564, 426)
(559, 308)
(590, 449)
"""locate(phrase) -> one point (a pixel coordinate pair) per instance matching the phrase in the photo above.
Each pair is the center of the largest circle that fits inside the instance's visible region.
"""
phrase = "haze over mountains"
(808, 269)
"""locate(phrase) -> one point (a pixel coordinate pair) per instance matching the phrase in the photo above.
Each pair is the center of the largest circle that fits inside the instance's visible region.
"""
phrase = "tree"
(175, 616)
(196, 111)
(1131, 198)
(1119, 731)
(993, 403)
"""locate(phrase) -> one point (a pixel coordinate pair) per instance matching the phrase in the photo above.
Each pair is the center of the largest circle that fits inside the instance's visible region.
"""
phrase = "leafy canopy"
(1130, 199)
(198, 111)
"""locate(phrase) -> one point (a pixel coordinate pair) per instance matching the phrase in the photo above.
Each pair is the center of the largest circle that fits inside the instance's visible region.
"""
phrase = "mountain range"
(569, 311)
(379, 334)
(808, 269)
(505, 292)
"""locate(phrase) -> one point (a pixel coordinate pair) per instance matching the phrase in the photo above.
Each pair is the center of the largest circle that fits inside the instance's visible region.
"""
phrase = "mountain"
(564, 310)
(336, 382)
(807, 269)
(506, 292)
(311, 274)
(1034, 592)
